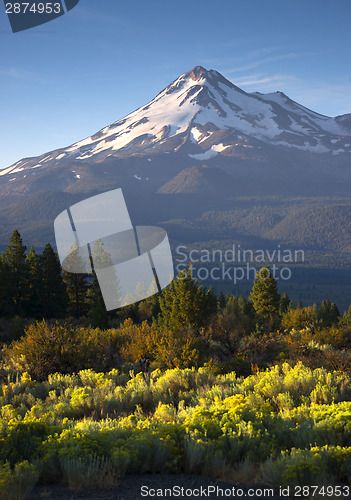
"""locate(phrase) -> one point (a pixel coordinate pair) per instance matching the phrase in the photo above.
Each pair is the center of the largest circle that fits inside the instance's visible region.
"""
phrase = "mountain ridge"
(183, 117)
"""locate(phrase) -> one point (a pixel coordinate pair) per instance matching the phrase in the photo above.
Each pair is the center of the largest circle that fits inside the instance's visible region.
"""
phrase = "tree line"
(33, 285)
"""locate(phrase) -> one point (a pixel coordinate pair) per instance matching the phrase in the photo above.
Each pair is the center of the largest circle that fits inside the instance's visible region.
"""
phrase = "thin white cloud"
(260, 79)
(328, 98)
(23, 75)
(263, 51)
(265, 60)
(325, 97)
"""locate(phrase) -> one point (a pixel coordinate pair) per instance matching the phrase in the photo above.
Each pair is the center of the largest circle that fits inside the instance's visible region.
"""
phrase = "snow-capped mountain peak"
(201, 114)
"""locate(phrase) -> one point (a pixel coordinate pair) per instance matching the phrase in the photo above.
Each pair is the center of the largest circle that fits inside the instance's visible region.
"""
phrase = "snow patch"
(137, 177)
(17, 170)
(219, 147)
(9, 170)
(45, 159)
(206, 137)
(205, 156)
(195, 135)
(318, 148)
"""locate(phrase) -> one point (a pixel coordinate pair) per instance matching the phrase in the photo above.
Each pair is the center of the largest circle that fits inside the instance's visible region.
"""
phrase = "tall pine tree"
(15, 258)
(33, 303)
(6, 288)
(185, 304)
(76, 283)
(97, 310)
(53, 292)
(264, 294)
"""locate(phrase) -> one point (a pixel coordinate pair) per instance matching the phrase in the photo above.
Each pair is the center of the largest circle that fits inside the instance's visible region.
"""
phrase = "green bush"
(308, 467)
(89, 472)
(17, 483)
(94, 427)
(48, 348)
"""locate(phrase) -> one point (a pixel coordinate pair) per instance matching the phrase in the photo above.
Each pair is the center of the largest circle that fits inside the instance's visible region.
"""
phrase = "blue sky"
(65, 80)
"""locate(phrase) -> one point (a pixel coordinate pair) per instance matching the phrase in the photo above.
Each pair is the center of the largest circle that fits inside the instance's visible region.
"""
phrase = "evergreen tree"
(329, 313)
(284, 304)
(98, 314)
(346, 319)
(315, 311)
(334, 313)
(149, 308)
(324, 312)
(221, 301)
(264, 294)
(32, 300)
(232, 322)
(232, 304)
(325, 307)
(184, 304)
(6, 288)
(53, 292)
(245, 307)
(76, 283)
(15, 258)
(242, 302)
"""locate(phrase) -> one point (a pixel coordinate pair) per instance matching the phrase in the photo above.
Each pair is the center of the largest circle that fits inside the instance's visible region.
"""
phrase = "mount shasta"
(200, 117)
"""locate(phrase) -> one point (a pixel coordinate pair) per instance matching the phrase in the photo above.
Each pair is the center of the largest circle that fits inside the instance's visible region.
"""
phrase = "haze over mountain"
(210, 163)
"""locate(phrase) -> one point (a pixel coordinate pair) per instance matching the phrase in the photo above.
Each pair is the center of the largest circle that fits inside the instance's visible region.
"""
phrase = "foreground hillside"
(253, 391)
(283, 426)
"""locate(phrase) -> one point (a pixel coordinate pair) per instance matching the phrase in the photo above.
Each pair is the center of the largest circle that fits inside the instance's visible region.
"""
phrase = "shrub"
(300, 318)
(190, 420)
(48, 348)
(307, 467)
(168, 348)
(22, 441)
(195, 452)
(17, 483)
(89, 472)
